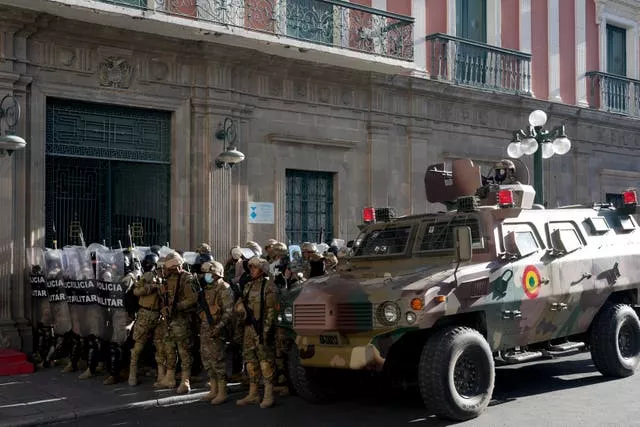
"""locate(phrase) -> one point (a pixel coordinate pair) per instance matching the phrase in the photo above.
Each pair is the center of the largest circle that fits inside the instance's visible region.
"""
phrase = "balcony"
(613, 93)
(334, 23)
(479, 65)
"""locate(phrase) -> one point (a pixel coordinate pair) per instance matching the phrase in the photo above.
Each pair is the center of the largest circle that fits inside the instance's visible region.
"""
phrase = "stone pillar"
(15, 329)
(379, 133)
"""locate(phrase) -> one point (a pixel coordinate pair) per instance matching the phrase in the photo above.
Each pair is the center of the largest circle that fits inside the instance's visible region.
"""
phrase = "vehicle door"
(521, 283)
(571, 268)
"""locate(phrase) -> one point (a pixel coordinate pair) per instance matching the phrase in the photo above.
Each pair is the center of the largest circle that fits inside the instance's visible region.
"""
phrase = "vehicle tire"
(456, 373)
(308, 383)
(615, 341)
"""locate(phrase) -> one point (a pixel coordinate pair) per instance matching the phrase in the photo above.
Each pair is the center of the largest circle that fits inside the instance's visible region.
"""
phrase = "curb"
(76, 414)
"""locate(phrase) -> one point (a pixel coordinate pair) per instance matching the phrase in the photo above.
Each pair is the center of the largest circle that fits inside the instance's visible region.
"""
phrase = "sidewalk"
(49, 395)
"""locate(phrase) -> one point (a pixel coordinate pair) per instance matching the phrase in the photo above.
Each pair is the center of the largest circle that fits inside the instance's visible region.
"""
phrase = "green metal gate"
(107, 168)
(309, 206)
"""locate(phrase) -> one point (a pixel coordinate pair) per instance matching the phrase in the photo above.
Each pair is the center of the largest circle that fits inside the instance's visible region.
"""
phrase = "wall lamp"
(230, 156)
(9, 115)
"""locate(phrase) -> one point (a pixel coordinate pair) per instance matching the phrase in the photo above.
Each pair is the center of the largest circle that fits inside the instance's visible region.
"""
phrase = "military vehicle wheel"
(308, 383)
(456, 373)
(615, 341)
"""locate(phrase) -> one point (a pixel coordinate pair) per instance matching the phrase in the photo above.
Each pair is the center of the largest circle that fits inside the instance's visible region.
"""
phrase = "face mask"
(208, 278)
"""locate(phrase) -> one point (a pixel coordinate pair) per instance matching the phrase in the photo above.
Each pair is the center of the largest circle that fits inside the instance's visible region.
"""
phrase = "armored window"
(626, 223)
(520, 239)
(388, 241)
(438, 235)
(564, 236)
(598, 225)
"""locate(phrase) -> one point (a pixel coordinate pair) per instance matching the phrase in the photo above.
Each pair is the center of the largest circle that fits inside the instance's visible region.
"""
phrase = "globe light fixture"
(542, 144)
(9, 116)
(230, 156)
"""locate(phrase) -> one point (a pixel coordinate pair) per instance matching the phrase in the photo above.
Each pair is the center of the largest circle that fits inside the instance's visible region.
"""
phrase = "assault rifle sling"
(251, 320)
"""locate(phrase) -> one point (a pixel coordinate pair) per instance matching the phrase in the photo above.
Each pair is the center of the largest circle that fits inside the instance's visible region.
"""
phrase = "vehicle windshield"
(437, 234)
(383, 241)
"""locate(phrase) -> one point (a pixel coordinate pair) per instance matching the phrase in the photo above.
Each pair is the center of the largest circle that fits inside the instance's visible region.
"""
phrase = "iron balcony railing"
(334, 23)
(614, 93)
(470, 63)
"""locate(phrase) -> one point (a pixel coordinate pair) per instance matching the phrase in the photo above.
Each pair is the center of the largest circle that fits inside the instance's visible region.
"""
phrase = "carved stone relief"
(115, 72)
(158, 70)
(324, 94)
(66, 56)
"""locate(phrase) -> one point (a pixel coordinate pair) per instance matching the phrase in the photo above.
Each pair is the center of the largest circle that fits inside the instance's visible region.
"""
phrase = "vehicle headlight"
(279, 318)
(288, 314)
(389, 313)
(411, 317)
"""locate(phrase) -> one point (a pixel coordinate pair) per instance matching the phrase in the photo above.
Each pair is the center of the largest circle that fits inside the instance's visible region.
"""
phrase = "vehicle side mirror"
(463, 248)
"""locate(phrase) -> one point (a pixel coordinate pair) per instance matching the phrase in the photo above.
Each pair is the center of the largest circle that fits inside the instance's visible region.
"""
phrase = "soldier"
(180, 298)
(257, 307)
(313, 261)
(216, 311)
(120, 318)
(254, 247)
(268, 250)
(147, 318)
(330, 262)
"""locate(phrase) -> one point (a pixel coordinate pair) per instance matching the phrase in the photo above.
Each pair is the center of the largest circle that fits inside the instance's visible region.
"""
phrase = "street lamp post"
(540, 142)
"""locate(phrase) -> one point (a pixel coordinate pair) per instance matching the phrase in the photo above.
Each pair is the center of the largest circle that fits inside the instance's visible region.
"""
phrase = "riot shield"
(54, 267)
(322, 248)
(82, 293)
(295, 258)
(39, 298)
(110, 267)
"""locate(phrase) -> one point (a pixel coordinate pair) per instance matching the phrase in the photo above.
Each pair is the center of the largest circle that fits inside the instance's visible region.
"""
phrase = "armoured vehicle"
(442, 298)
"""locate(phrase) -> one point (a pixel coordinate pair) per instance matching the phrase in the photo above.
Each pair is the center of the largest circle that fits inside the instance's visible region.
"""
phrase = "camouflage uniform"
(146, 325)
(181, 299)
(259, 351)
(279, 251)
(218, 297)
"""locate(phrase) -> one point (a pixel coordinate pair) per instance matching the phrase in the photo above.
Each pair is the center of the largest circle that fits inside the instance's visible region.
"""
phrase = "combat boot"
(161, 373)
(133, 365)
(185, 385)
(253, 398)
(214, 390)
(68, 368)
(222, 393)
(267, 400)
(169, 380)
(86, 374)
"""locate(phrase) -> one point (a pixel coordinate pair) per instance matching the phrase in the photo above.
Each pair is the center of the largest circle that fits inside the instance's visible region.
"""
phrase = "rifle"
(251, 319)
(202, 303)
(81, 236)
(130, 238)
(55, 236)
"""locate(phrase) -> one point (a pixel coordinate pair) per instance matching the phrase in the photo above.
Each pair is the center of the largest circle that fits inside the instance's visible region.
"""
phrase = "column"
(494, 22)
(581, 53)
(553, 10)
(451, 17)
(419, 12)
(525, 26)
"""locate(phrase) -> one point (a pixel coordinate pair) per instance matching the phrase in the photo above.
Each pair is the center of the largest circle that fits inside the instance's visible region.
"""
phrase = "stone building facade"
(374, 133)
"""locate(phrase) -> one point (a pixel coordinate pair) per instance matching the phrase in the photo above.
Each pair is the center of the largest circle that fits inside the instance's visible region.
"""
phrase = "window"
(564, 236)
(438, 235)
(309, 212)
(616, 89)
(388, 241)
(616, 50)
(520, 239)
(598, 224)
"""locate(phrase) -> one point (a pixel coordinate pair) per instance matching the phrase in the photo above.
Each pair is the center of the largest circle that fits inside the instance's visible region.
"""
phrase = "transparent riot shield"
(111, 289)
(41, 308)
(54, 275)
(81, 291)
(322, 248)
(295, 258)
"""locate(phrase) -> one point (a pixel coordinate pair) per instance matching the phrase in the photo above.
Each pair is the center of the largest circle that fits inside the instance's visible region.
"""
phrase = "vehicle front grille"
(355, 317)
(309, 316)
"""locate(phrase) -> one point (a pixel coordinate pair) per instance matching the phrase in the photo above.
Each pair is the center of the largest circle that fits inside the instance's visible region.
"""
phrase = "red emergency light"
(505, 198)
(369, 215)
(630, 197)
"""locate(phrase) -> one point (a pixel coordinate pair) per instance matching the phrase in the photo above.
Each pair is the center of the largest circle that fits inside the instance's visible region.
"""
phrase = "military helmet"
(203, 248)
(173, 260)
(260, 263)
(213, 267)
(309, 247)
(155, 249)
(150, 261)
(270, 243)
(254, 247)
(279, 248)
(236, 253)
